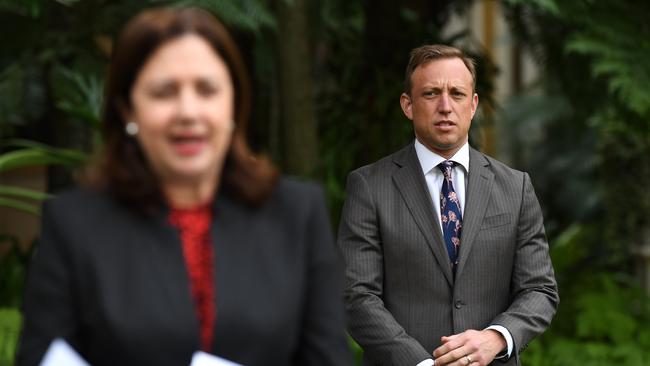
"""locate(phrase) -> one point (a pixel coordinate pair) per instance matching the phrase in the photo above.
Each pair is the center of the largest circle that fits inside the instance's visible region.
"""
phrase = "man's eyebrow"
(432, 86)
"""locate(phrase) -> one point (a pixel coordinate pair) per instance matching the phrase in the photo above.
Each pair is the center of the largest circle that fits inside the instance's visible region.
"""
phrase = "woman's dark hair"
(123, 169)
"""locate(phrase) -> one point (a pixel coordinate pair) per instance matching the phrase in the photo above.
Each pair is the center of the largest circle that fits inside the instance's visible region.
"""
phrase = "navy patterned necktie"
(450, 213)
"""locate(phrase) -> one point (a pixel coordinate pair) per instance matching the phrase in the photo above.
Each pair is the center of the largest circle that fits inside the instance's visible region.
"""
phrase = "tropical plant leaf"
(20, 205)
(35, 153)
(628, 77)
(25, 193)
(83, 98)
(67, 2)
(23, 97)
(26, 144)
(10, 322)
(31, 157)
(248, 15)
(31, 8)
(549, 6)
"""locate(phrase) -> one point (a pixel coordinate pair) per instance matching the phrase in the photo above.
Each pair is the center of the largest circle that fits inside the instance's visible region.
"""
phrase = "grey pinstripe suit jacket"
(401, 296)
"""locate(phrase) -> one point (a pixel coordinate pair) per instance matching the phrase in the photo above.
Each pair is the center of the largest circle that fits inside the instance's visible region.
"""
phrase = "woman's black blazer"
(113, 283)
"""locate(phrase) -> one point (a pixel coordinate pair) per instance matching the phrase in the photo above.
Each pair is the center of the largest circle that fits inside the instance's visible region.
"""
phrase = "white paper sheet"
(60, 353)
(205, 359)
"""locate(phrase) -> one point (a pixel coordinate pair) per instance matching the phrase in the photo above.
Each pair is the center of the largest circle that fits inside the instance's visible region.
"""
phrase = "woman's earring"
(131, 128)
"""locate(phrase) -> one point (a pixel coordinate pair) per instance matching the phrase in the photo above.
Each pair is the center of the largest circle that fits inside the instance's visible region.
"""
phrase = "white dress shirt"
(433, 175)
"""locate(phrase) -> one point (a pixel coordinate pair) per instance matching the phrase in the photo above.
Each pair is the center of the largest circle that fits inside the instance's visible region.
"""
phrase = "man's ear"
(474, 104)
(407, 105)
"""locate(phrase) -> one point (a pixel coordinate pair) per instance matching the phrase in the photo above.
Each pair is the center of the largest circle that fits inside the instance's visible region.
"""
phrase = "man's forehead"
(451, 70)
(450, 82)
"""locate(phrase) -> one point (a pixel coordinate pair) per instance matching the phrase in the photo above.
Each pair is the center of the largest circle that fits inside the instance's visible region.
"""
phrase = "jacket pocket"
(493, 221)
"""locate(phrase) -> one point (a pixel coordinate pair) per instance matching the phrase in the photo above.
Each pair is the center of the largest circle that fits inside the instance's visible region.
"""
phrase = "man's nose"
(444, 104)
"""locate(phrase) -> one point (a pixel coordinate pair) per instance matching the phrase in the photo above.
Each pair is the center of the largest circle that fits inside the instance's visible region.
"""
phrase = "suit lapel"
(167, 256)
(410, 182)
(477, 197)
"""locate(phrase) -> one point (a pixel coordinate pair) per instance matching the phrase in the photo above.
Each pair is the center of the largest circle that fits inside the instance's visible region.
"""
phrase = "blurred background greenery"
(564, 96)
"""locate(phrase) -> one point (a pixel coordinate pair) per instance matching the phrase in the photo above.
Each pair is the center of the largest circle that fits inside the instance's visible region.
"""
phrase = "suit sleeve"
(48, 304)
(323, 340)
(533, 281)
(370, 323)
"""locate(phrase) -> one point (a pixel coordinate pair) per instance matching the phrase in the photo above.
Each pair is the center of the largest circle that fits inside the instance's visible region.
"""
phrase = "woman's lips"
(188, 145)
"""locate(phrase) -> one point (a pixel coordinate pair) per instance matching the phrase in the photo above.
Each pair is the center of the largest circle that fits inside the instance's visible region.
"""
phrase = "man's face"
(441, 105)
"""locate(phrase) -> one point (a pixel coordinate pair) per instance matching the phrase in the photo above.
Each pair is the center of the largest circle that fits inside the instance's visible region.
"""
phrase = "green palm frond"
(247, 15)
(32, 157)
(548, 6)
(83, 98)
(616, 36)
(30, 8)
(31, 153)
(23, 193)
(20, 205)
(19, 199)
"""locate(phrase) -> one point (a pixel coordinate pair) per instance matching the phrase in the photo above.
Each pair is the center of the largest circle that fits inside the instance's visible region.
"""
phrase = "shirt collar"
(429, 160)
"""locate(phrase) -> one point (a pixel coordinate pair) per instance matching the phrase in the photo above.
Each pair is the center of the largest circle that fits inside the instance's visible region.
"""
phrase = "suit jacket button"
(458, 304)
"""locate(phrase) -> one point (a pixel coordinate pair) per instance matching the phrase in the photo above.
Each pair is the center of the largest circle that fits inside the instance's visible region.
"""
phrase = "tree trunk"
(300, 130)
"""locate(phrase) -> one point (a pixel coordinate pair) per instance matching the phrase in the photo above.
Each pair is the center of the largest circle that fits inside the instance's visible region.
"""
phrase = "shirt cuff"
(506, 335)
(427, 362)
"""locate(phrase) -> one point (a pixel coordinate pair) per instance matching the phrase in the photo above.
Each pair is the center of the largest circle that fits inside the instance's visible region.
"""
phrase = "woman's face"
(183, 103)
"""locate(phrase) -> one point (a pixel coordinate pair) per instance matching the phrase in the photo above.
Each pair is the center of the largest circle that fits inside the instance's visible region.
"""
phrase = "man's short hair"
(425, 54)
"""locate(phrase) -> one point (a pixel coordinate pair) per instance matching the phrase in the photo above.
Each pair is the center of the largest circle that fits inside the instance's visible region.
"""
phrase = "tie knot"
(445, 167)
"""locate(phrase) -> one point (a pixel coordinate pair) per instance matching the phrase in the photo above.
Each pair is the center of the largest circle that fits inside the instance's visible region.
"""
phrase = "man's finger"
(453, 355)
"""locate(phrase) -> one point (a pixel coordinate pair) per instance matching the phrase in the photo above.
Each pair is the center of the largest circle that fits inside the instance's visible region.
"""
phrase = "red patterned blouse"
(194, 227)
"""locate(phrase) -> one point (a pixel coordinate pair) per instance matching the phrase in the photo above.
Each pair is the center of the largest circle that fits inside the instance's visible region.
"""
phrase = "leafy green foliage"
(616, 35)
(40, 155)
(22, 100)
(611, 325)
(80, 96)
(357, 352)
(68, 2)
(247, 15)
(30, 154)
(30, 8)
(591, 52)
(10, 320)
(549, 6)
(592, 172)
(604, 316)
(13, 267)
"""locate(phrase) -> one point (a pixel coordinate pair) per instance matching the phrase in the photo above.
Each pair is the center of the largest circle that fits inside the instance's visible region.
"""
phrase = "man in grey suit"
(446, 255)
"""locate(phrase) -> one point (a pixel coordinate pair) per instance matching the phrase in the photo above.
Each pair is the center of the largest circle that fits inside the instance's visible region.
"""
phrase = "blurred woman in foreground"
(186, 241)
